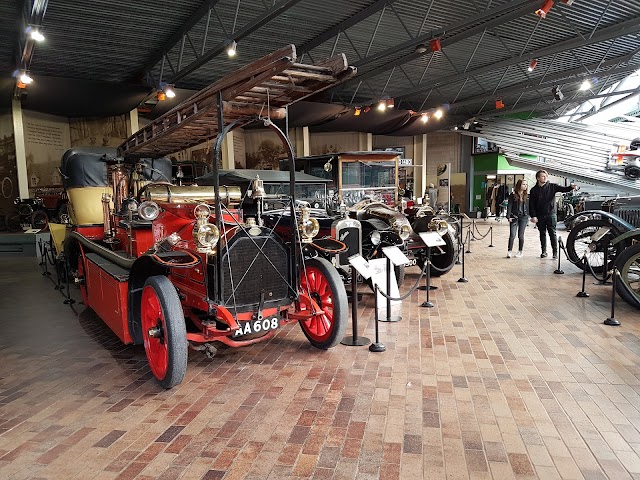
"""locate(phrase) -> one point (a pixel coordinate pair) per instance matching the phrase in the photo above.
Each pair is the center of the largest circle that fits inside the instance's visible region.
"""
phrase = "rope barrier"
(481, 237)
(583, 261)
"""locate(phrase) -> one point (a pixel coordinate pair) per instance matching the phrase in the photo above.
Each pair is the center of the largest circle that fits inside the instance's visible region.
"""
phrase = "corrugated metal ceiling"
(118, 41)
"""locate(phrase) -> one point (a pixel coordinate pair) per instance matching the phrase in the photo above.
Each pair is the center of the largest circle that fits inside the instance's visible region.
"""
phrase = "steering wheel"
(154, 184)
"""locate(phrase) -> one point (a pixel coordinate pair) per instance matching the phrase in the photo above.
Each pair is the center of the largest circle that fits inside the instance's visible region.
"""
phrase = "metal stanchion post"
(469, 240)
(376, 346)
(459, 239)
(395, 318)
(427, 303)
(463, 279)
(612, 321)
(491, 237)
(558, 271)
(605, 265)
(582, 293)
(472, 227)
(354, 340)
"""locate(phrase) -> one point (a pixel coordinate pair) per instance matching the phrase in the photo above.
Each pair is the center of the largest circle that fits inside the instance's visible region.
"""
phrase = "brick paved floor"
(510, 376)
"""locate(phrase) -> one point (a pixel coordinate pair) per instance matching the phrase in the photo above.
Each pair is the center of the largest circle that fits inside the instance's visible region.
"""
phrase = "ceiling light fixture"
(35, 33)
(161, 96)
(435, 45)
(357, 111)
(499, 104)
(532, 65)
(542, 11)
(390, 103)
(438, 114)
(585, 85)
(382, 105)
(424, 118)
(169, 91)
(421, 48)
(25, 78)
(232, 48)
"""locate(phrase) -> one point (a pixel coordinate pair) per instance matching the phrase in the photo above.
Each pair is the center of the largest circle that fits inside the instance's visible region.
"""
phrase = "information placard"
(361, 265)
(396, 255)
(432, 239)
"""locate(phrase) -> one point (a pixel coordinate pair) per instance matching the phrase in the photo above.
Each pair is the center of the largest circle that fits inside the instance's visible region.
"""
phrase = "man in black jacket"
(542, 208)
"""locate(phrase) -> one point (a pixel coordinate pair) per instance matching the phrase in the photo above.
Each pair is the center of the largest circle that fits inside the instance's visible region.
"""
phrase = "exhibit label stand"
(358, 265)
(430, 239)
(396, 258)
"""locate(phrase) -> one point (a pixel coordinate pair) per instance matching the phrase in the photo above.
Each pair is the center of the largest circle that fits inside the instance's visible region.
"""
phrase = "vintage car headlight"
(402, 229)
(148, 210)
(438, 225)
(307, 225)
(376, 238)
(206, 236)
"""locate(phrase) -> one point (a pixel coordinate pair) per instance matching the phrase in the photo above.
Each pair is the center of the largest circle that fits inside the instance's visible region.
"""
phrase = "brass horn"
(438, 225)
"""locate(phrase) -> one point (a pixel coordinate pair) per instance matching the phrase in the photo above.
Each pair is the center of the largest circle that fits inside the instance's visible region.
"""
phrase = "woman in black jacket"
(518, 216)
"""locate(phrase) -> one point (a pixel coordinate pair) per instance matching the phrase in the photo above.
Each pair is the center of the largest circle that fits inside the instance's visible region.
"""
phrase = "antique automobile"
(367, 184)
(627, 161)
(48, 203)
(614, 230)
(177, 267)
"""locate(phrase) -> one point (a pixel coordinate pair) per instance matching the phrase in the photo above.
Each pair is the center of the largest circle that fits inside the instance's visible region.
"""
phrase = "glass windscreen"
(314, 193)
(368, 179)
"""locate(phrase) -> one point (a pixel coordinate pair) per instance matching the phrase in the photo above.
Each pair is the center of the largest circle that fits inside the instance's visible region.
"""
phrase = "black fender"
(614, 219)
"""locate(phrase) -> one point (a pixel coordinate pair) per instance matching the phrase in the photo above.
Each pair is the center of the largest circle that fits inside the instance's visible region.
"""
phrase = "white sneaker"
(509, 254)
(519, 255)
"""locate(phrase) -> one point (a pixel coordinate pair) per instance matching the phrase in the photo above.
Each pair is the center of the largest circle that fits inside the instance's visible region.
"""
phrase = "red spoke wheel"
(164, 331)
(322, 282)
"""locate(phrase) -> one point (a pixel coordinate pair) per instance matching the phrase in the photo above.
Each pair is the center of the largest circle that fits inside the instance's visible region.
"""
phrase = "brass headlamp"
(205, 234)
(438, 225)
(307, 225)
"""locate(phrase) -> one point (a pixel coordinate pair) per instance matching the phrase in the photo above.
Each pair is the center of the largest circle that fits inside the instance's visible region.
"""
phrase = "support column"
(420, 158)
(133, 122)
(301, 143)
(365, 142)
(21, 152)
(228, 154)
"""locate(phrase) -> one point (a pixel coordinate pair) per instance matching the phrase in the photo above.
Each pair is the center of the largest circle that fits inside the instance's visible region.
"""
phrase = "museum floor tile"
(508, 376)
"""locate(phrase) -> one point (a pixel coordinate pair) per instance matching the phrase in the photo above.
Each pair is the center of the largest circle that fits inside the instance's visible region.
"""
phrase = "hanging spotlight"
(382, 105)
(35, 33)
(390, 103)
(435, 45)
(424, 118)
(557, 93)
(421, 48)
(25, 78)
(169, 91)
(542, 11)
(357, 111)
(585, 85)
(438, 114)
(366, 109)
(499, 104)
(161, 96)
(232, 48)
(532, 65)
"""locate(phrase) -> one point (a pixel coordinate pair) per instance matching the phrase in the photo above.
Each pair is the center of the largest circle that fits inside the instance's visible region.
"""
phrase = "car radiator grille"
(246, 272)
(630, 215)
(350, 236)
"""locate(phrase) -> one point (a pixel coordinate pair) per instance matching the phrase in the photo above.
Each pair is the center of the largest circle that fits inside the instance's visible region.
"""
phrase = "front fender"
(617, 221)
(633, 234)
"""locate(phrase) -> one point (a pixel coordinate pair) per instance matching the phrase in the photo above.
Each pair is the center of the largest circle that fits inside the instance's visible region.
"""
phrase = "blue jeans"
(517, 224)
(548, 224)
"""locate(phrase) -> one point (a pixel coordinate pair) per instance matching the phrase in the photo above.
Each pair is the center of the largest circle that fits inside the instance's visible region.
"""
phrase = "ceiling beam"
(178, 35)
(535, 106)
(342, 26)
(621, 29)
(549, 82)
(238, 35)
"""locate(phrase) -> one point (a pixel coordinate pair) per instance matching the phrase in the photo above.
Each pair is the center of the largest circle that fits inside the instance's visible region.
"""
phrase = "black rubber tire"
(628, 284)
(444, 261)
(632, 172)
(39, 219)
(174, 330)
(584, 230)
(340, 316)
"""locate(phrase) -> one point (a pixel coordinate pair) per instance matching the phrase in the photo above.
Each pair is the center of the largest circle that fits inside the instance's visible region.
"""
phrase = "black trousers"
(517, 224)
(547, 224)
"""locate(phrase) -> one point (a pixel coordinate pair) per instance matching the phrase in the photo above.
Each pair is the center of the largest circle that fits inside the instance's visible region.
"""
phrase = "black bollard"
(354, 340)
(459, 239)
(463, 279)
(469, 242)
(376, 346)
(558, 271)
(427, 303)
(582, 293)
(612, 321)
(472, 227)
(395, 318)
(491, 236)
